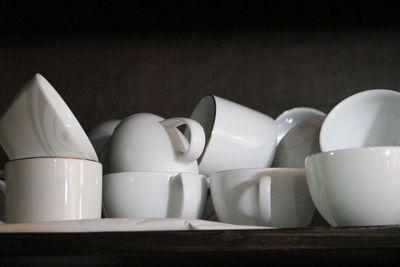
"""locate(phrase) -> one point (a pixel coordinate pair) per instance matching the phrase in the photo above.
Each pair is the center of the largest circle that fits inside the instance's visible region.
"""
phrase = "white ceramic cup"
(52, 189)
(147, 142)
(154, 195)
(301, 141)
(356, 187)
(290, 118)
(369, 118)
(269, 197)
(236, 136)
(38, 123)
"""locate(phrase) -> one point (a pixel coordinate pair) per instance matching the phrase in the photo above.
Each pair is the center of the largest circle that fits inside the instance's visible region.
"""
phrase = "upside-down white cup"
(276, 197)
(236, 136)
(356, 187)
(52, 189)
(147, 142)
(154, 195)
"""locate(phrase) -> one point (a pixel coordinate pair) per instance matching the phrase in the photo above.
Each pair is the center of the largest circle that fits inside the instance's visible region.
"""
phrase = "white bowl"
(369, 118)
(356, 187)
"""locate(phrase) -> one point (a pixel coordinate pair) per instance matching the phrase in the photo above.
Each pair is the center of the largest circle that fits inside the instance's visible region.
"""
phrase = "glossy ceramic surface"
(147, 142)
(100, 134)
(39, 124)
(236, 136)
(369, 118)
(301, 141)
(154, 195)
(276, 197)
(52, 189)
(356, 187)
(290, 118)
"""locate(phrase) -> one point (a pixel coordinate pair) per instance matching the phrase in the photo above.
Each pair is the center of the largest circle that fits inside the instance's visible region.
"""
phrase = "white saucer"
(291, 117)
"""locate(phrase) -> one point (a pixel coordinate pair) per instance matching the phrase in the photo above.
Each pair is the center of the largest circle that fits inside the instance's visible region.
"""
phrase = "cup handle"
(264, 200)
(192, 195)
(197, 140)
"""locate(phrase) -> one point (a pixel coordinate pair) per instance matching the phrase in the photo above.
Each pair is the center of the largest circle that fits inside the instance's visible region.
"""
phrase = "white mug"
(356, 187)
(51, 189)
(236, 136)
(276, 197)
(39, 123)
(369, 118)
(147, 142)
(154, 195)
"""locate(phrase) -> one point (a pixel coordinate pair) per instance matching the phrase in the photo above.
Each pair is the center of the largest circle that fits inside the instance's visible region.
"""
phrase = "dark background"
(110, 60)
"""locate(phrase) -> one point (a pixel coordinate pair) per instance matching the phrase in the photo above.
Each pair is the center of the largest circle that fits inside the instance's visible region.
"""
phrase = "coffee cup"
(39, 123)
(369, 118)
(154, 195)
(236, 136)
(51, 189)
(147, 142)
(356, 187)
(275, 197)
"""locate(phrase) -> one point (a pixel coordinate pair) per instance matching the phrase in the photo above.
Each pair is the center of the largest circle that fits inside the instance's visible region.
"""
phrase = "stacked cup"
(53, 173)
(153, 169)
(240, 147)
(355, 181)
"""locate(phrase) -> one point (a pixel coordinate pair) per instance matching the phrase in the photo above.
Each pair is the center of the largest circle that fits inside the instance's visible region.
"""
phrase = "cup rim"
(162, 172)
(354, 149)
(213, 97)
(52, 157)
(276, 169)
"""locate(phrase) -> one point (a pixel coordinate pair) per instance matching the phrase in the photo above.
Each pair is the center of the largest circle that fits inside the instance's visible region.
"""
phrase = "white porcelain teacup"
(276, 197)
(368, 118)
(51, 189)
(236, 136)
(38, 123)
(154, 195)
(356, 187)
(147, 142)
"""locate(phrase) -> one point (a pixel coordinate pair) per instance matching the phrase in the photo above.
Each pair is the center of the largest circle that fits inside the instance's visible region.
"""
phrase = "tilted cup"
(236, 136)
(52, 189)
(276, 197)
(39, 123)
(154, 195)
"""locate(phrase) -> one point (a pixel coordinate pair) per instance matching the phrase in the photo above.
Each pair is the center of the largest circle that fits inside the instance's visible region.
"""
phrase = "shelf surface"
(312, 245)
